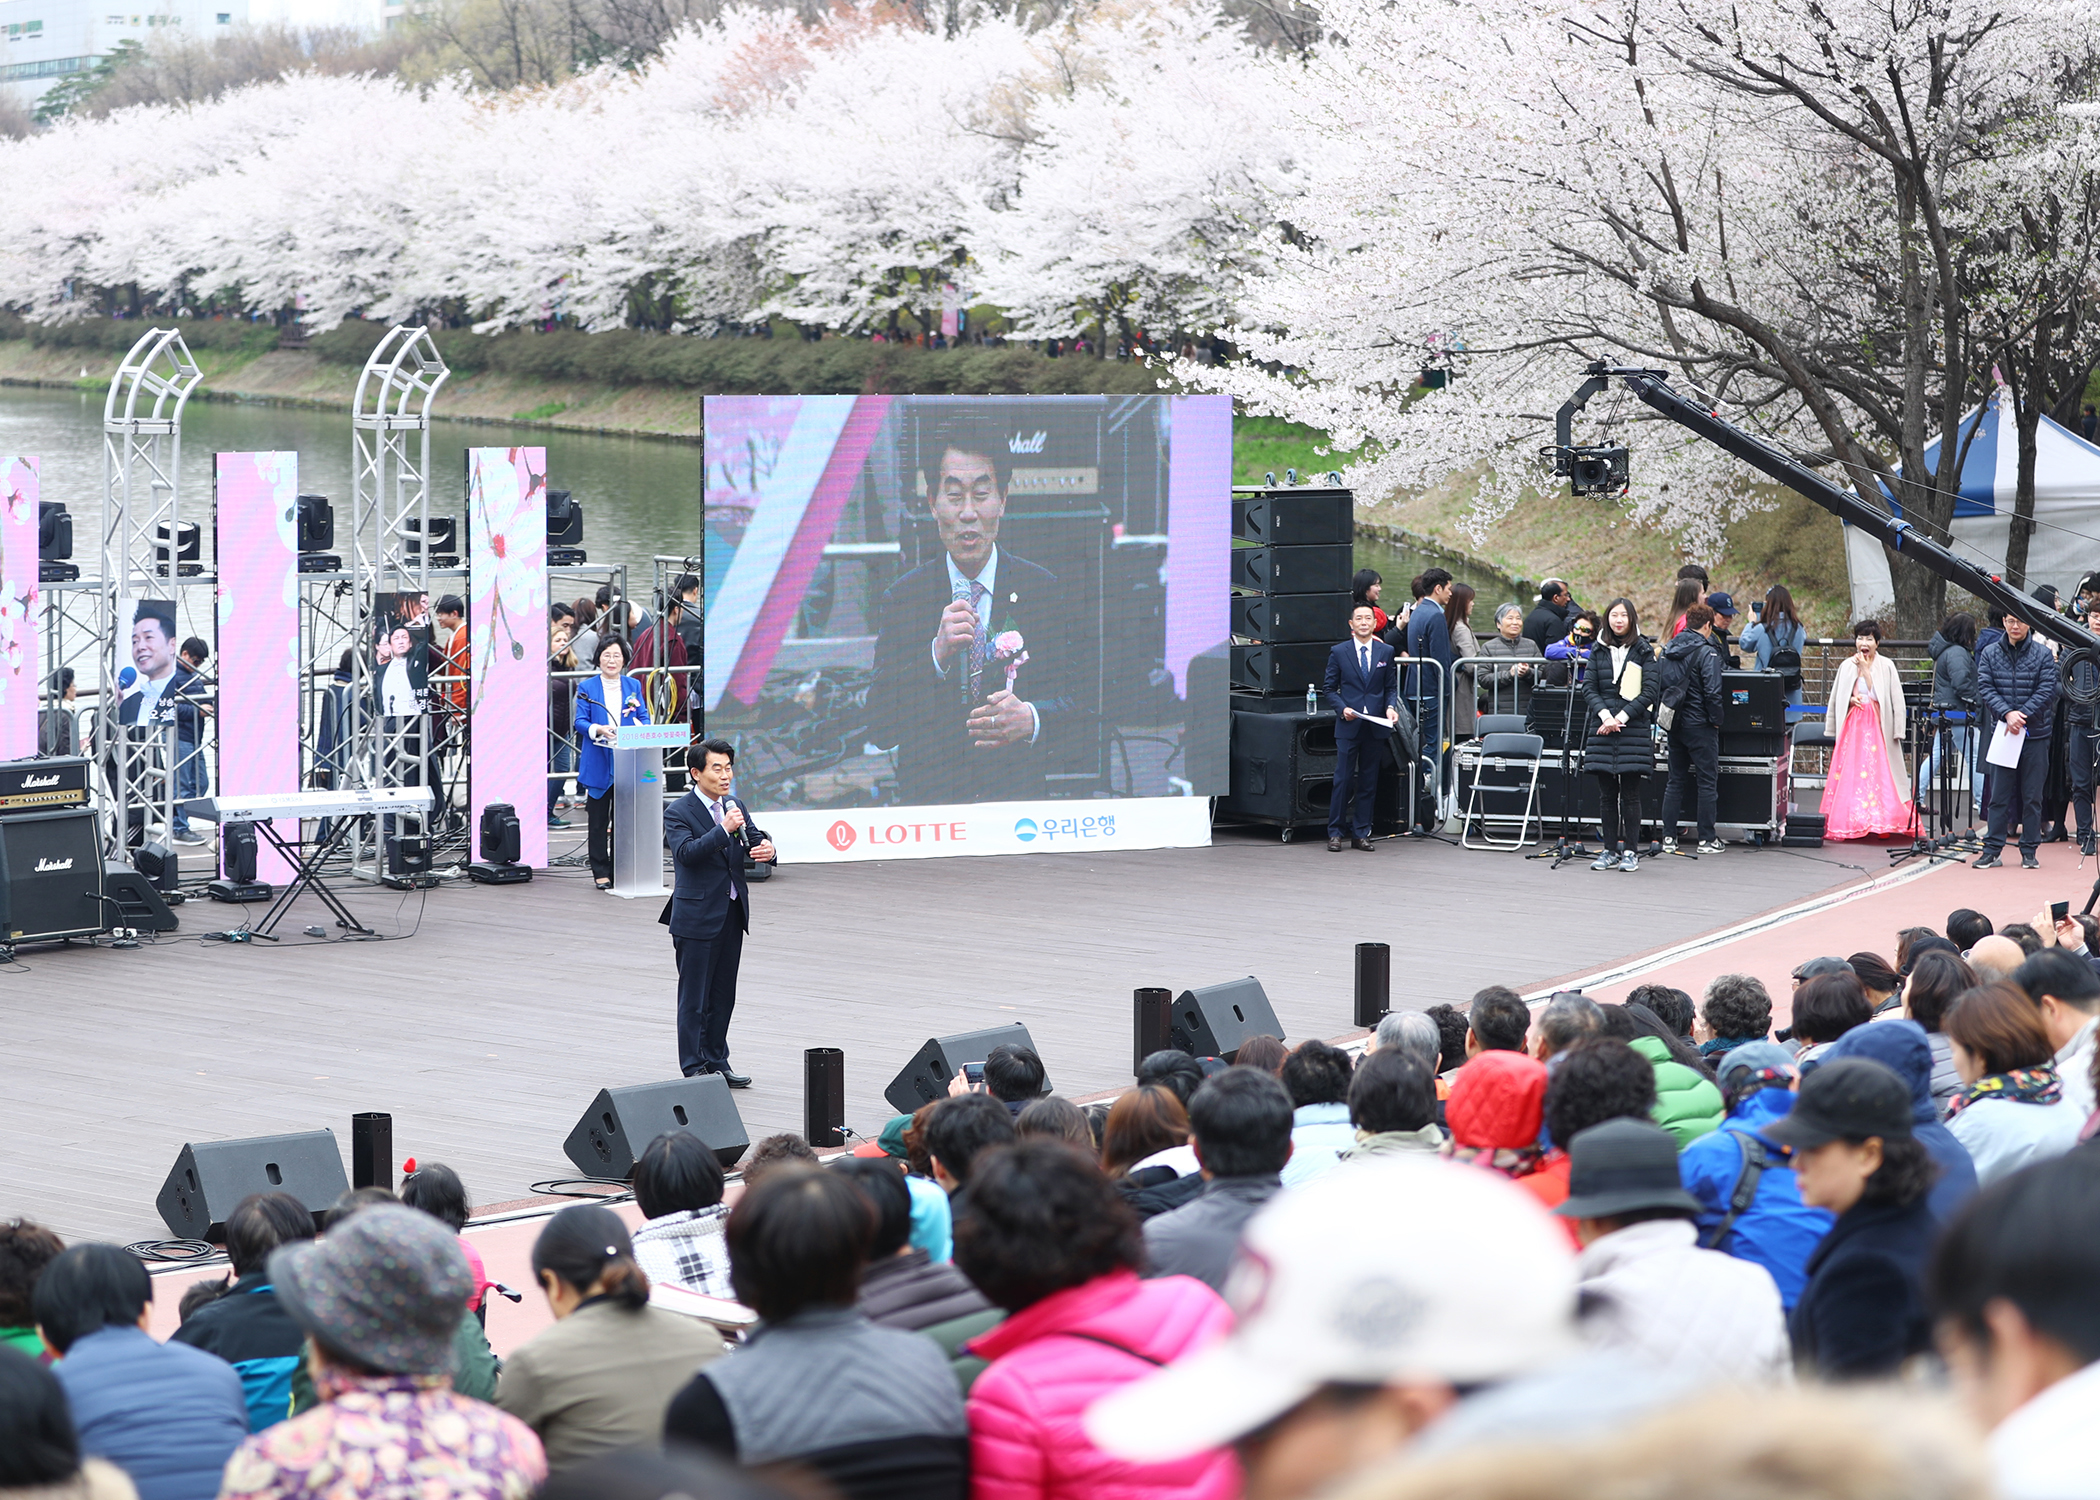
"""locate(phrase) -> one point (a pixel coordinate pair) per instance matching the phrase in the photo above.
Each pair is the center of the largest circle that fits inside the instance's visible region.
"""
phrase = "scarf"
(1510, 1161)
(1722, 1045)
(2021, 1086)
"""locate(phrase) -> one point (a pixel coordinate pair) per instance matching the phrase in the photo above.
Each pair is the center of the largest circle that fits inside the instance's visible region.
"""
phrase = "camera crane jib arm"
(1653, 388)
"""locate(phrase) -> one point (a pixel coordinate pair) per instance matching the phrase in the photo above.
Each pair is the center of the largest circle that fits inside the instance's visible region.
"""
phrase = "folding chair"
(1515, 758)
(1488, 724)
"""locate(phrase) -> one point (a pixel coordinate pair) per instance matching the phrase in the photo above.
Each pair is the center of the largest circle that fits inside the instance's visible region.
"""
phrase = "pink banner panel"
(256, 516)
(507, 646)
(20, 658)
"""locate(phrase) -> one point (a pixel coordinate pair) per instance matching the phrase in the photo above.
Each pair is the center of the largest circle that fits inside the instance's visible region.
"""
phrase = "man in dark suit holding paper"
(1364, 689)
(708, 831)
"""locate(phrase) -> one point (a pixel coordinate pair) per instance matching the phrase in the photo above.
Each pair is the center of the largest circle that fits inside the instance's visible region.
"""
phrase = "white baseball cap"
(1407, 1268)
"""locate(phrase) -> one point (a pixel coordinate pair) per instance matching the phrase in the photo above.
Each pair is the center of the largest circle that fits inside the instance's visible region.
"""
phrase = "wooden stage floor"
(490, 1022)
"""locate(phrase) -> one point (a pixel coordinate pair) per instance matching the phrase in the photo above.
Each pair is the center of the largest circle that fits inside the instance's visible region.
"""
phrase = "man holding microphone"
(1364, 689)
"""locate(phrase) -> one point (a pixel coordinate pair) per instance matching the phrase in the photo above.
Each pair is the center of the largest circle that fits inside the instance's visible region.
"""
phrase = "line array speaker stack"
(1292, 563)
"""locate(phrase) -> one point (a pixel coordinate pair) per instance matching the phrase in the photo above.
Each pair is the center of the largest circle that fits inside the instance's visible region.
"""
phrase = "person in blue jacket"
(610, 699)
(1776, 1229)
(246, 1325)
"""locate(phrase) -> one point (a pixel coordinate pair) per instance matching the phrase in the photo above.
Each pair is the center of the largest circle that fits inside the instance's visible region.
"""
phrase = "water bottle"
(1312, 699)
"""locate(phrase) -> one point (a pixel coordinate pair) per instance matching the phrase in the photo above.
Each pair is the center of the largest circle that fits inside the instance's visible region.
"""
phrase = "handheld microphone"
(126, 678)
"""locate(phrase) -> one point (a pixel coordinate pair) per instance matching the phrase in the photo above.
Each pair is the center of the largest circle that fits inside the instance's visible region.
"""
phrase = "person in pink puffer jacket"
(1045, 1236)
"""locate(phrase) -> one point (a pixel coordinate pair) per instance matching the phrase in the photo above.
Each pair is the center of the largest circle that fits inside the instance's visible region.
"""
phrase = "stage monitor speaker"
(824, 1096)
(131, 900)
(1756, 701)
(612, 1133)
(1295, 517)
(210, 1177)
(50, 877)
(1280, 669)
(1291, 617)
(925, 1078)
(1294, 570)
(1215, 1020)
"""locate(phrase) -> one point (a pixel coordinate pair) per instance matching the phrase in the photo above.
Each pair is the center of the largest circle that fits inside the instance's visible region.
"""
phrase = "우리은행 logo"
(1024, 830)
(839, 835)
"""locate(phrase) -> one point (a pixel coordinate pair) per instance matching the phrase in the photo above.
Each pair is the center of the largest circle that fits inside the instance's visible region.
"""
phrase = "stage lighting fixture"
(443, 537)
(501, 846)
(237, 882)
(564, 530)
(54, 543)
(188, 548)
(315, 519)
(158, 863)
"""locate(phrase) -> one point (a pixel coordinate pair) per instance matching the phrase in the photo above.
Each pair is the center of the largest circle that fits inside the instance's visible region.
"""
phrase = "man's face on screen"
(151, 650)
(967, 507)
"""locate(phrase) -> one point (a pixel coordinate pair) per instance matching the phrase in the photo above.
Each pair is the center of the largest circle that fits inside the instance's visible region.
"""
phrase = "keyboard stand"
(307, 875)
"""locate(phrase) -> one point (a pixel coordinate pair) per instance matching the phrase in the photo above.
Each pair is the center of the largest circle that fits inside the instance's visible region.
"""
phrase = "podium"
(638, 806)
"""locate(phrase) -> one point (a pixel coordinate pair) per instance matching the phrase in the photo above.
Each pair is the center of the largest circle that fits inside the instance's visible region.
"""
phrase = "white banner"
(815, 837)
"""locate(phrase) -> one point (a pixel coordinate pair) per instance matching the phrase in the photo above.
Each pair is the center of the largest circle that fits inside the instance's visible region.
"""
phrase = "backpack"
(1743, 1194)
(1672, 684)
(1788, 665)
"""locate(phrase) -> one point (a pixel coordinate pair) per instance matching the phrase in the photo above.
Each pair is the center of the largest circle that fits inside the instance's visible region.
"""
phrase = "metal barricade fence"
(562, 743)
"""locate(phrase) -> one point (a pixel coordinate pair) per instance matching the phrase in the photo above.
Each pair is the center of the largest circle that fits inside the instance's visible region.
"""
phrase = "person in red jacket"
(1047, 1237)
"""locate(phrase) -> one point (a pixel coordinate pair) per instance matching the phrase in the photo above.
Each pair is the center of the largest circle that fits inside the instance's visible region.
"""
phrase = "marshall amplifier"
(50, 877)
(42, 785)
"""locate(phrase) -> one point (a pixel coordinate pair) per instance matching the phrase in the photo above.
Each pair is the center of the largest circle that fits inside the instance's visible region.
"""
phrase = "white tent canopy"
(2065, 544)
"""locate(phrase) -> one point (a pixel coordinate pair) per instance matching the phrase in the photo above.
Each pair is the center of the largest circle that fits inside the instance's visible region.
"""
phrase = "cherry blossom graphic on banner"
(19, 656)
(507, 644)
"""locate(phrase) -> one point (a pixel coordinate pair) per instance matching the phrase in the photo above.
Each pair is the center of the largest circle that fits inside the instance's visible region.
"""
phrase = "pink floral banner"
(256, 515)
(20, 660)
(507, 643)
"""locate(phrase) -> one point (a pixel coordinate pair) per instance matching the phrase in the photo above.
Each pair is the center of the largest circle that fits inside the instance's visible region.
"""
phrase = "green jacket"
(1687, 1102)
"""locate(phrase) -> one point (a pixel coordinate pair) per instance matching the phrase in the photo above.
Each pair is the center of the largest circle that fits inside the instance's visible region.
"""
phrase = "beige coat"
(1887, 686)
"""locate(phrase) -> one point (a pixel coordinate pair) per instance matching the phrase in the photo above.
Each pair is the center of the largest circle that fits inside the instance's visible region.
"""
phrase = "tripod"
(1564, 847)
(1934, 727)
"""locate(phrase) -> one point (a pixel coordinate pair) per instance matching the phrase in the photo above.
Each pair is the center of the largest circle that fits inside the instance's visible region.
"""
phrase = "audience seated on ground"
(1749, 1203)
(601, 1377)
(785, 1149)
(1495, 1113)
(1058, 1119)
(1903, 1048)
(678, 1185)
(872, 1412)
(1563, 1021)
(1935, 982)
(1240, 1127)
(1047, 1238)
(166, 1414)
(2011, 1111)
(1996, 957)
(1966, 928)
(1013, 1076)
(25, 1249)
(1317, 1076)
(380, 1296)
(1145, 1151)
(1498, 1020)
(957, 1130)
(246, 1325)
(901, 1286)
(1596, 1080)
(1408, 1304)
(1392, 1106)
(2011, 1288)
(1647, 1289)
(1862, 1314)
(39, 1450)
(1735, 1010)
(1687, 1103)
(1264, 1052)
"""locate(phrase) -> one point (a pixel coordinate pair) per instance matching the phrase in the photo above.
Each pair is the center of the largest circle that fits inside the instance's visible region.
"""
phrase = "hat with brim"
(1847, 1098)
(386, 1288)
(1620, 1166)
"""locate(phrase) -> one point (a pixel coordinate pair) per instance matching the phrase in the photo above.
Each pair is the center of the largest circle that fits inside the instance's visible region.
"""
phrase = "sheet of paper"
(2005, 746)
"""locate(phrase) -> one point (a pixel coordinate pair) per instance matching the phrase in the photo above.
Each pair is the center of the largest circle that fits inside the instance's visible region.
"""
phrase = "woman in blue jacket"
(602, 702)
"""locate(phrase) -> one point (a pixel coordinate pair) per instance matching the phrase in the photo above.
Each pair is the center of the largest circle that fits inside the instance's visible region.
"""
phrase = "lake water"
(1396, 564)
(641, 496)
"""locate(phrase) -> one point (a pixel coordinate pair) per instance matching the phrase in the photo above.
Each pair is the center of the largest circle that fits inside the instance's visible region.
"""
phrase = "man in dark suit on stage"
(1364, 688)
(708, 830)
(941, 692)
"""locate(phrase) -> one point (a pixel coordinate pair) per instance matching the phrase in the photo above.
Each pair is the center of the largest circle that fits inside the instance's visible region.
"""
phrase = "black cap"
(1819, 966)
(1622, 1165)
(1847, 1098)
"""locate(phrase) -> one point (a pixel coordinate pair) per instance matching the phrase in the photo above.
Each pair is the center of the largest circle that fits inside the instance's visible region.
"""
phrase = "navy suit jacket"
(1376, 696)
(705, 860)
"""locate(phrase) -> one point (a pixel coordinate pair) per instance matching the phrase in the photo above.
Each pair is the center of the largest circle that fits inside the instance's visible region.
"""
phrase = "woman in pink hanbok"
(1865, 793)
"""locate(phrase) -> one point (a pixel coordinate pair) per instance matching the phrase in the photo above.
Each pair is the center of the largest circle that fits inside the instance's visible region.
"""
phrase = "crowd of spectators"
(1561, 1247)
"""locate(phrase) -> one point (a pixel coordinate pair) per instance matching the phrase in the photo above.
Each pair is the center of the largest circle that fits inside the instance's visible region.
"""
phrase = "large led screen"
(921, 601)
